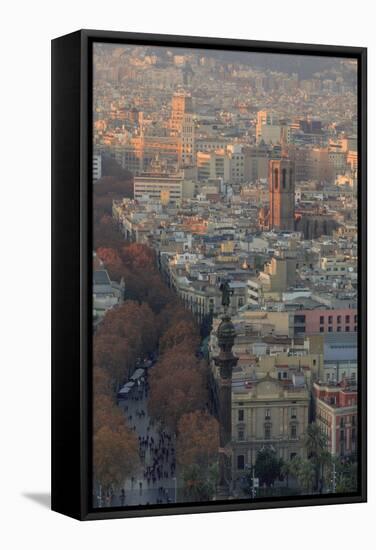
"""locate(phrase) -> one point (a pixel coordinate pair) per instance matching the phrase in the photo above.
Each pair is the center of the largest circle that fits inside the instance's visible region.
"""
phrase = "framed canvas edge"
(88, 37)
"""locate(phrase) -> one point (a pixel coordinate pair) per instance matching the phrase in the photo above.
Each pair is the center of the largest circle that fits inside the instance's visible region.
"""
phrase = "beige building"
(278, 275)
(140, 152)
(256, 163)
(227, 164)
(284, 364)
(268, 412)
(267, 126)
(162, 187)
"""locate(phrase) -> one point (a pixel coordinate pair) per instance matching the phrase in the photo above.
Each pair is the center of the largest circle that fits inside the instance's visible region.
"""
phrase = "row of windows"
(342, 435)
(339, 319)
(267, 414)
(353, 421)
(343, 376)
(339, 329)
(268, 432)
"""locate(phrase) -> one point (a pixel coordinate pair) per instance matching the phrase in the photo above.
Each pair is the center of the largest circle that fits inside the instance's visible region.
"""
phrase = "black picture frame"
(72, 275)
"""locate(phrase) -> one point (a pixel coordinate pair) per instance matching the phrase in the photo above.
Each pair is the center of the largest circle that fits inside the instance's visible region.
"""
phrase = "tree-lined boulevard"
(175, 410)
(161, 444)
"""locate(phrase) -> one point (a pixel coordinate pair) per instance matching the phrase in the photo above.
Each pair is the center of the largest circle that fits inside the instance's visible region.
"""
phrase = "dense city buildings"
(241, 200)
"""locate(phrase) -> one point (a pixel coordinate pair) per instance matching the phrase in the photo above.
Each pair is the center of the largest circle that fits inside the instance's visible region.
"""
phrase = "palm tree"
(316, 444)
(306, 474)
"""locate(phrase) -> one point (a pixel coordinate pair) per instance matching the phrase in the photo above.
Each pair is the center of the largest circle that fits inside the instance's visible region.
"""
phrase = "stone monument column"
(226, 361)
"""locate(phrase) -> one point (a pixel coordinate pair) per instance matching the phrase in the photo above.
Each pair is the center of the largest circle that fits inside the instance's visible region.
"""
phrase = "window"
(339, 329)
(347, 329)
(292, 456)
(330, 319)
(240, 462)
(241, 435)
(293, 412)
(299, 319)
(276, 178)
(293, 431)
(268, 431)
(267, 414)
(339, 319)
(355, 328)
(330, 329)
(347, 318)
(241, 415)
(321, 329)
(284, 178)
(321, 319)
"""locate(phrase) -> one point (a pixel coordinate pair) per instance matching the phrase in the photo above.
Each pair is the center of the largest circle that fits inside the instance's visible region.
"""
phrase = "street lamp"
(255, 481)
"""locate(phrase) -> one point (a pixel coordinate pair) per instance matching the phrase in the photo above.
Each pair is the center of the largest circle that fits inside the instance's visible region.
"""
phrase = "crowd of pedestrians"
(155, 483)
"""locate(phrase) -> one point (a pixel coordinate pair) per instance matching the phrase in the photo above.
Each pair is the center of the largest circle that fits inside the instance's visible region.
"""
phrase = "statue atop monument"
(226, 294)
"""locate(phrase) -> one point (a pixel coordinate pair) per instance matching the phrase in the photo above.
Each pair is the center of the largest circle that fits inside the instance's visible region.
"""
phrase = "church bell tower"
(281, 194)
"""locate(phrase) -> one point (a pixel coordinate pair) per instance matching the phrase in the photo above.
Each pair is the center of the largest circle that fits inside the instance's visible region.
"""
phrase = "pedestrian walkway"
(155, 482)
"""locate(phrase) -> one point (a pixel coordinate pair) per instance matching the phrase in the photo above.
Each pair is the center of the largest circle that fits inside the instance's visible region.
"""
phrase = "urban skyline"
(225, 275)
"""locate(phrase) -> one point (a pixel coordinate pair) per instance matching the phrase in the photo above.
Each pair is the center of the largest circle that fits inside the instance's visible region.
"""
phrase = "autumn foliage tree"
(105, 233)
(115, 456)
(197, 439)
(183, 334)
(197, 454)
(102, 382)
(115, 446)
(138, 256)
(114, 355)
(112, 262)
(126, 333)
(177, 387)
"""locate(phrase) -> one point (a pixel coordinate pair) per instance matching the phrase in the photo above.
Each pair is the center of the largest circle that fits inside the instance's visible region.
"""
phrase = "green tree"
(346, 475)
(267, 467)
(199, 484)
(304, 471)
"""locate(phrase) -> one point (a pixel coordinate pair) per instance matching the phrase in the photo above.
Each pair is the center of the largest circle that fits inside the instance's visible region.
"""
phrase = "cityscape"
(225, 285)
